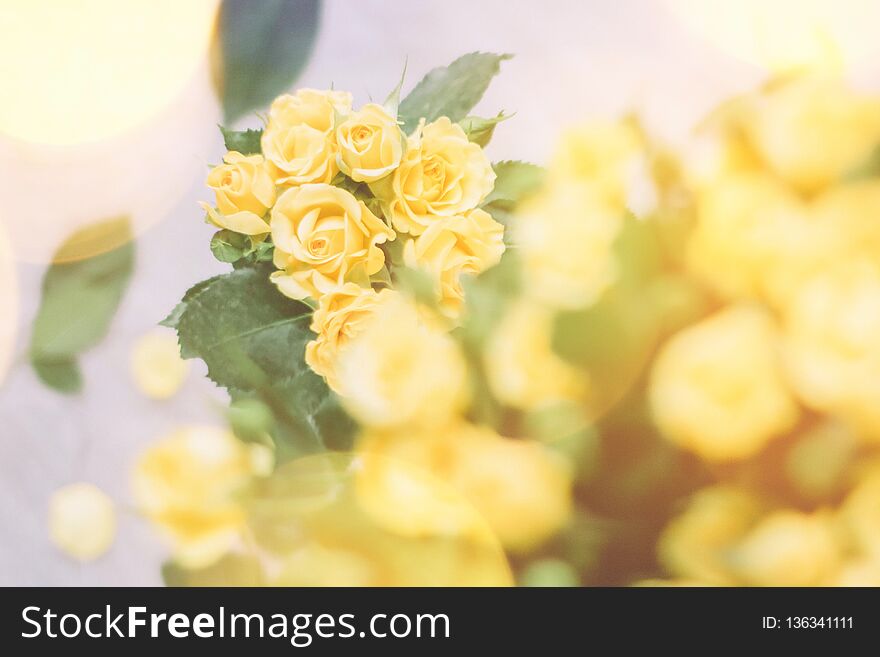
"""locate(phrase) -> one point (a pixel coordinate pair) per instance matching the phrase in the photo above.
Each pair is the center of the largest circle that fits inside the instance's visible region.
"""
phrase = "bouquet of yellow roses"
(344, 331)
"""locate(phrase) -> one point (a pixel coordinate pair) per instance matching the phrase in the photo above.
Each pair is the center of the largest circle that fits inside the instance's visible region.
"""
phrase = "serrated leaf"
(480, 130)
(246, 142)
(262, 50)
(174, 316)
(253, 339)
(514, 181)
(79, 301)
(450, 91)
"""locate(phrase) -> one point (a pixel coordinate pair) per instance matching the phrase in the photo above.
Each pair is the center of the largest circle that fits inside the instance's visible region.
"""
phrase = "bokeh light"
(786, 34)
(83, 70)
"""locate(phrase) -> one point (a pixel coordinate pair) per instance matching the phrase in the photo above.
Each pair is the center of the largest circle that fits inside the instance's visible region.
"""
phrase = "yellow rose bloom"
(521, 488)
(324, 237)
(607, 155)
(788, 548)
(716, 388)
(244, 190)
(442, 174)
(565, 237)
(860, 513)
(859, 572)
(402, 371)
(157, 369)
(811, 131)
(832, 343)
(754, 238)
(299, 142)
(186, 484)
(522, 369)
(341, 316)
(370, 144)
(694, 544)
(82, 521)
(455, 246)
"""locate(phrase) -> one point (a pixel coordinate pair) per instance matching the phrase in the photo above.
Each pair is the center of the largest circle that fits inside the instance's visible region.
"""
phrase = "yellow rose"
(454, 246)
(370, 143)
(401, 371)
(245, 192)
(442, 174)
(324, 237)
(186, 484)
(565, 237)
(811, 131)
(755, 238)
(694, 544)
(521, 488)
(716, 388)
(298, 142)
(788, 548)
(341, 316)
(157, 369)
(522, 369)
(82, 521)
(860, 513)
(608, 156)
(832, 344)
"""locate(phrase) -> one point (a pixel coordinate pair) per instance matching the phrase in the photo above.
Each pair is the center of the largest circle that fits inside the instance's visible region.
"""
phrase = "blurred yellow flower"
(401, 371)
(716, 387)
(832, 328)
(812, 130)
(859, 572)
(755, 238)
(299, 142)
(452, 247)
(694, 545)
(860, 513)
(186, 484)
(442, 174)
(606, 155)
(156, 366)
(750, 236)
(522, 369)
(324, 237)
(521, 488)
(341, 316)
(370, 143)
(82, 521)
(565, 237)
(244, 190)
(788, 548)
(316, 565)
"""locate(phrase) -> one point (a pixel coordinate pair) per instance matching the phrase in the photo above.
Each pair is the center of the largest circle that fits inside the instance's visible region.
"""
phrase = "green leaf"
(262, 50)
(480, 130)
(251, 420)
(174, 316)
(79, 300)
(253, 339)
(228, 246)
(450, 91)
(515, 181)
(62, 375)
(392, 102)
(246, 142)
